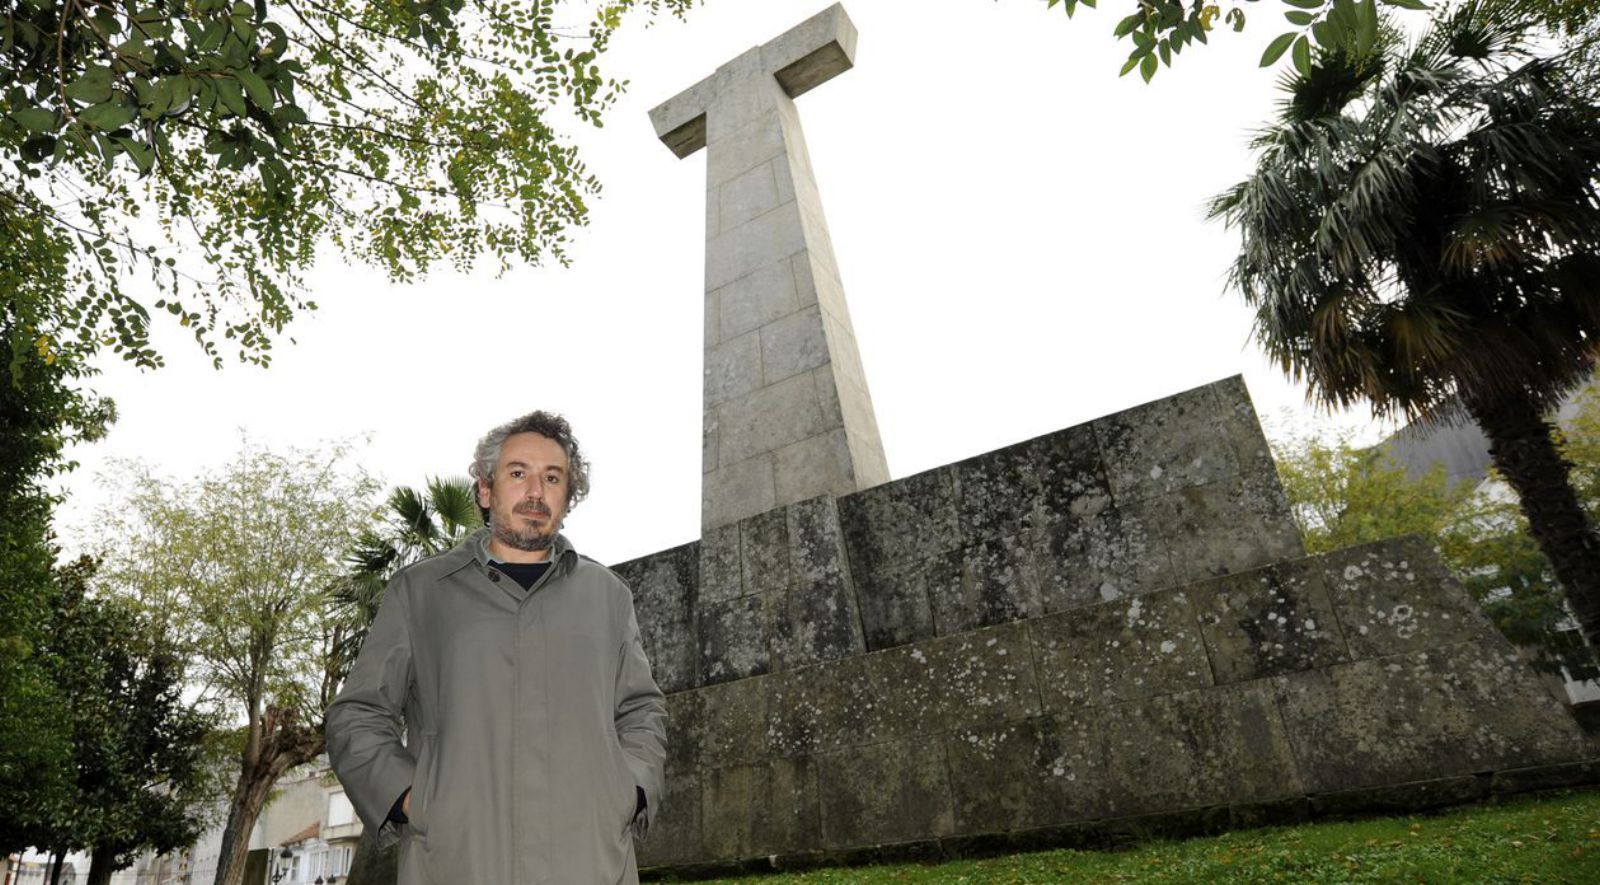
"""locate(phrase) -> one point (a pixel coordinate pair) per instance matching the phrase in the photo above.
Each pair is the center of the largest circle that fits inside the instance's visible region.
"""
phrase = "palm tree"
(1422, 234)
(416, 525)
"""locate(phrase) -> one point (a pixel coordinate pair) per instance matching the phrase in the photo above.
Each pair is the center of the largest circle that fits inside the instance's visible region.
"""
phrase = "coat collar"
(475, 550)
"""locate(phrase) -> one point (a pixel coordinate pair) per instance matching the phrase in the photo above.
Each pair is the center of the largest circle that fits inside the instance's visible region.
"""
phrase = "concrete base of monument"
(1107, 631)
(1355, 681)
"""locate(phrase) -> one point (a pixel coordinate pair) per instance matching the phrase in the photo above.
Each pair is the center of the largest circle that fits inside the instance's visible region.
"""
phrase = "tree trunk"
(100, 865)
(57, 860)
(284, 743)
(1523, 446)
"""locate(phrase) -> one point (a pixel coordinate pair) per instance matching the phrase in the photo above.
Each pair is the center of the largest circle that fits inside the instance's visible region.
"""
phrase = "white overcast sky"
(1020, 233)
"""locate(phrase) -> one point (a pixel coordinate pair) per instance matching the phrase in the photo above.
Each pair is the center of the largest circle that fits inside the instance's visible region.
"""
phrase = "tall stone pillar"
(787, 412)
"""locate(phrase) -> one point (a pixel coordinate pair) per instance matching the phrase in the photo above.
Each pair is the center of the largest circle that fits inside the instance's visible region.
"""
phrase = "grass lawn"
(1547, 838)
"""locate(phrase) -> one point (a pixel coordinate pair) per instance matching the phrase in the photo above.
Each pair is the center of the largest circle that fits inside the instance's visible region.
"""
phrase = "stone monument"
(787, 413)
(1106, 630)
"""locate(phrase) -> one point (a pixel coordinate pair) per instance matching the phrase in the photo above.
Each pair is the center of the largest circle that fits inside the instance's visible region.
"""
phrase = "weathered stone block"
(1268, 621)
(767, 808)
(1164, 446)
(726, 722)
(752, 301)
(824, 708)
(708, 441)
(909, 519)
(889, 792)
(894, 603)
(1214, 746)
(1119, 651)
(985, 676)
(769, 418)
(1242, 426)
(1031, 773)
(764, 552)
(1072, 476)
(1448, 711)
(720, 575)
(1395, 596)
(733, 642)
(793, 344)
(991, 582)
(813, 621)
(1100, 556)
(664, 598)
(675, 830)
(742, 249)
(997, 492)
(1218, 529)
(751, 193)
(735, 490)
(818, 465)
(733, 369)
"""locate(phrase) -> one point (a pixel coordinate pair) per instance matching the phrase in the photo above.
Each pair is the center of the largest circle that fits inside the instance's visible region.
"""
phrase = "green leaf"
(1407, 4)
(1326, 35)
(231, 96)
(1126, 26)
(1305, 4)
(35, 119)
(93, 87)
(1300, 18)
(143, 157)
(108, 115)
(1302, 56)
(1166, 53)
(1147, 67)
(1367, 26)
(1129, 65)
(1277, 48)
(260, 94)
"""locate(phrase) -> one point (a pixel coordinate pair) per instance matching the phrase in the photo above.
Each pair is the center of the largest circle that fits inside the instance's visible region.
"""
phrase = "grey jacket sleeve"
(364, 729)
(641, 719)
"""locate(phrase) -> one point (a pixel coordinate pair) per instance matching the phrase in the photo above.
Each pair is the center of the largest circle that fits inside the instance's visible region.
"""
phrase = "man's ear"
(483, 493)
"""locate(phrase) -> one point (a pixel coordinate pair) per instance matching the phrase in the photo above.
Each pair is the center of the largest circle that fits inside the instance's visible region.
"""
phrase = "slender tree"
(1422, 234)
(238, 563)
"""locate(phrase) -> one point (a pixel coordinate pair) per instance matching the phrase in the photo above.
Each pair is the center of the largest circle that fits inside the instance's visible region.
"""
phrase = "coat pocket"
(626, 789)
(424, 782)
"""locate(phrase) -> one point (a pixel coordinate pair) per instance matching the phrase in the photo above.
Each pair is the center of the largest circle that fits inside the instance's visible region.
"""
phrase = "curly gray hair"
(550, 426)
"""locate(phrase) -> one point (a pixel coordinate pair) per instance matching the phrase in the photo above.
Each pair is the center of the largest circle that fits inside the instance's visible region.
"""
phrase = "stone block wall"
(1313, 684)
(1113, 623)
(1156, 496)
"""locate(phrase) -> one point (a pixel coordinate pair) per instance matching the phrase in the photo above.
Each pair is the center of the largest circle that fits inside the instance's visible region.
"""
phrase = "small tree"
(238, 563)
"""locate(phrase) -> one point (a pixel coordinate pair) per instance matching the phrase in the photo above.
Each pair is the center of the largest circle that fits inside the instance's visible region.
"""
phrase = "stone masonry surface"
(1193, 697)
(1113, 622)
(787, 412)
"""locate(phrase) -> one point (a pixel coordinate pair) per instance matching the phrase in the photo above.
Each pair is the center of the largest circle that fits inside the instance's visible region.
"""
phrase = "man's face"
(528, 499)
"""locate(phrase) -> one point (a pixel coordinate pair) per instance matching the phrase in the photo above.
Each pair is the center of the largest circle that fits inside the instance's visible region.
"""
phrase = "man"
(534, 733)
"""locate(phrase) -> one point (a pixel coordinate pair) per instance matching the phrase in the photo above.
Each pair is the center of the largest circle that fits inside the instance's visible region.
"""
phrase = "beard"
(529, 539)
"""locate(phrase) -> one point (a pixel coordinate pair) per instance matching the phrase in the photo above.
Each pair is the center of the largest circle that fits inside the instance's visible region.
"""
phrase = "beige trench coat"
(529, 717)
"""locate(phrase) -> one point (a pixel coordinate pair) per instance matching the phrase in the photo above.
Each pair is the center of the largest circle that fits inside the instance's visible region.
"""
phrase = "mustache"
(533, 508)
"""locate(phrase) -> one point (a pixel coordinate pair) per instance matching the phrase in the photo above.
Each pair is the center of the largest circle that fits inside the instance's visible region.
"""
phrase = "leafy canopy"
(197, 152)
(1422, 222)
(1160, 29)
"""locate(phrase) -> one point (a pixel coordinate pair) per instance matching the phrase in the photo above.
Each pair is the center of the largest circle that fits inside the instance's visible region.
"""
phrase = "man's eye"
(553, 479)
(516, 474)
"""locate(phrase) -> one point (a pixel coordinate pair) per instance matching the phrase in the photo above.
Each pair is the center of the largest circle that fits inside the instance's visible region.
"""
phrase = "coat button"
(494, 576)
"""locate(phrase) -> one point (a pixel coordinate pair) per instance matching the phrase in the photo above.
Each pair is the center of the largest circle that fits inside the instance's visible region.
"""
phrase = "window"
(340, 811)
